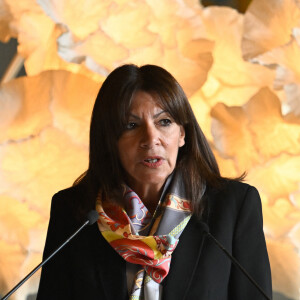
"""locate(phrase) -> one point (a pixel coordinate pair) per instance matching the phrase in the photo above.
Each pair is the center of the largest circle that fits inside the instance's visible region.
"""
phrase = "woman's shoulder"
(232, 194)
(230, 202)
(70, 202)
(72, 191)
(68, 196)
(232, 187)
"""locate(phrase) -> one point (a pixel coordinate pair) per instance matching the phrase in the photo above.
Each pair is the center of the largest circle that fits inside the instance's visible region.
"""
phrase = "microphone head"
(92, 216)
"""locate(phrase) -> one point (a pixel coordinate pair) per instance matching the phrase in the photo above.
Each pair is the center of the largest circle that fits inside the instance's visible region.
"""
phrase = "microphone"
(205, 229)
(92, 217)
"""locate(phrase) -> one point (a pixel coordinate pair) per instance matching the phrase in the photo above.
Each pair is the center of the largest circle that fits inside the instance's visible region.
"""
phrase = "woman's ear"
(181, 141)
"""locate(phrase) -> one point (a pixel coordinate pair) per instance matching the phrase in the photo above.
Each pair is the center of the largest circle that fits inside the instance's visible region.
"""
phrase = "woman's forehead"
(144, 98)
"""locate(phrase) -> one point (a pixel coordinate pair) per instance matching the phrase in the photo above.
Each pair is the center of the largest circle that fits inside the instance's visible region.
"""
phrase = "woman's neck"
(149, 196)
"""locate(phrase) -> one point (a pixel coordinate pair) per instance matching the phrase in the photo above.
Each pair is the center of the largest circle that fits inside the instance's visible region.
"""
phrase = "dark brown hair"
(109, 117)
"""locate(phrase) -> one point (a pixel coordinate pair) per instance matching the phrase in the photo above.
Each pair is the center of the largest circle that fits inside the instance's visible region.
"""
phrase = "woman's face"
(148, 147)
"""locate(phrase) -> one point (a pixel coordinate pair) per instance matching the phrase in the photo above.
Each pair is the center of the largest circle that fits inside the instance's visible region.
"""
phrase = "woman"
(153, 179)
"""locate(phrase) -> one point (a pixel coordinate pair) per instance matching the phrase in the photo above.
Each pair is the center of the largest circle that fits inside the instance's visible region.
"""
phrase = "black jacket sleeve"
(249, 248)
(55, 271)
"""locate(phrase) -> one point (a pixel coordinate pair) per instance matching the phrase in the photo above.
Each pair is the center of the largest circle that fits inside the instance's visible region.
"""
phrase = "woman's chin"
(148, 180)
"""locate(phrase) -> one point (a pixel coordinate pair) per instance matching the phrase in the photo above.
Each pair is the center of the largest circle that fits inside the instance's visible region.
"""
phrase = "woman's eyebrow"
(154, 116)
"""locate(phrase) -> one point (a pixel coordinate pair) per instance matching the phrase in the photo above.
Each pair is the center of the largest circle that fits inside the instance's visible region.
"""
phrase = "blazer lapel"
(111, 268)
(183, 265)
(184, 262)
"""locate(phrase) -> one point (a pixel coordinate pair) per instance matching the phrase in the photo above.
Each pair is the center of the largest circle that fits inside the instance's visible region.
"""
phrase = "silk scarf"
(146, 240)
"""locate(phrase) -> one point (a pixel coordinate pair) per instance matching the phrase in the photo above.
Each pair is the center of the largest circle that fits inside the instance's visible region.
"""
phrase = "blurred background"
(238, 62)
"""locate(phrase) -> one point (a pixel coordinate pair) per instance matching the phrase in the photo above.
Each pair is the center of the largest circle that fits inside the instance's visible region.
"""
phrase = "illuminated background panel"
(239, 67)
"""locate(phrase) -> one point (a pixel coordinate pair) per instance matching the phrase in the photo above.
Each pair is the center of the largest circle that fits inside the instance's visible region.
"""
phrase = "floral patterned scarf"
(145, 240)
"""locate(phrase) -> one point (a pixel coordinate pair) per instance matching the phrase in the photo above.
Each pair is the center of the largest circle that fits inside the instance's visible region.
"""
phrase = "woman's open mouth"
(152, 162)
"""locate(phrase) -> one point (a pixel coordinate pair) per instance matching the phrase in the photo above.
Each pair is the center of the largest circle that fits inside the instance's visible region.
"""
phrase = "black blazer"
(88, 268)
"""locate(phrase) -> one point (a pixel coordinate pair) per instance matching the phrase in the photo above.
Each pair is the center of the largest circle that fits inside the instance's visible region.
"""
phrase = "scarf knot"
(142, 239)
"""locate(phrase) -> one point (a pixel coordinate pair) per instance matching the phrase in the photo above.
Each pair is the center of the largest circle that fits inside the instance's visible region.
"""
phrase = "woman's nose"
(149, 136)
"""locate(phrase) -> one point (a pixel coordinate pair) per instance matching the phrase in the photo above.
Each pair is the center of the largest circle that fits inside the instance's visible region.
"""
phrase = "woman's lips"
(152, 161)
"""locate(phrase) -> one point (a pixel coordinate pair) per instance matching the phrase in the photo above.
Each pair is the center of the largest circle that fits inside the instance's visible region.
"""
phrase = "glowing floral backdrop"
(242, 76)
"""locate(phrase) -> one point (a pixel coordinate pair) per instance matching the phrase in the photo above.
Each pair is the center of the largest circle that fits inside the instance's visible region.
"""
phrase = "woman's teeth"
(154, 160)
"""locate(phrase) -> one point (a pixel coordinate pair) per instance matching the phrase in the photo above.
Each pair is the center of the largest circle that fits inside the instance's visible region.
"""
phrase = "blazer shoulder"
(242, 193)
(236, 189)
(234, 185)
(69, 202)
(230, 197)
(73, 191)
(231, 188)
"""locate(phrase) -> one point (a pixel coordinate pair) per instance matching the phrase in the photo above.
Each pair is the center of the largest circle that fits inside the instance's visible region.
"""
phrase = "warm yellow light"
(242, 76)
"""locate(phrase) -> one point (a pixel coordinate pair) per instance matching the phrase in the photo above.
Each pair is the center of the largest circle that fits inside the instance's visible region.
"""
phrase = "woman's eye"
(131, 125)
(165, 122)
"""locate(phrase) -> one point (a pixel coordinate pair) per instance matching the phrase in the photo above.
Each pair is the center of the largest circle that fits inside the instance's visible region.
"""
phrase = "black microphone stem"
(236, 263)
(43, 262)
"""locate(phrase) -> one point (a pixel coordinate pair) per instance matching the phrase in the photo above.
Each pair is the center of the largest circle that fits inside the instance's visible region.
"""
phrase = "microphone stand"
(91, 219)
(237, 264)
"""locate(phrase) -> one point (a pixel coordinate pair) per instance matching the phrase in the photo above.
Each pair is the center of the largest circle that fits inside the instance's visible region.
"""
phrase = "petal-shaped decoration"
(229, 66)
(286, 58)
(232, 138)
(214, 91)
(73, 98)
(29, 289)
(17, 219)
(12, 257)
(29, 154)
(18, 8)
(45, 119)
(153, 46)
(96, 47)
(227, 166)
(80, 16)
(5, 19)
(179, 41)
(217, 91)
(271, 134)
(38, 134)
(255, 133)
(172, 19)
(35, 30)
(38, 43)
(35, 136)
(278, 177)
(25, 116)
(193, 67)
(192, 74)
(277, 218)
(285, 264)
(295, 199)
(146, 55)
(202, 113)
(30, 171)
(268, 25)
(24, 105)
(296, 34)
(295, 235)
(126, 27)
(37, 37)
(292, 104)
(23, 230)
